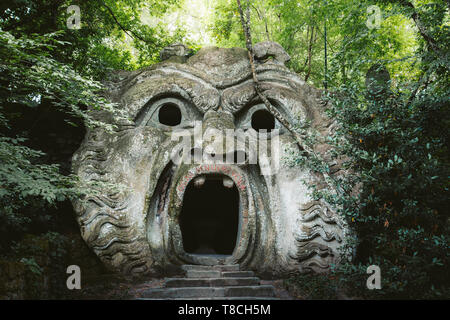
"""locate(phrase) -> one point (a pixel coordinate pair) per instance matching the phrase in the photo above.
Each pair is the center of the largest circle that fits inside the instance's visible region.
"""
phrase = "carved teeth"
(199, 181)
(228, 183)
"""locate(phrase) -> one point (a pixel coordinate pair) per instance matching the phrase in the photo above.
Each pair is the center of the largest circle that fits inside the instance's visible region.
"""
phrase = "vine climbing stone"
(172, 208)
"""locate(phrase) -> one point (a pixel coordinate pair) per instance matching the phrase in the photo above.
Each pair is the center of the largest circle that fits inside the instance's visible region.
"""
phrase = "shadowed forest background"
(394, 128)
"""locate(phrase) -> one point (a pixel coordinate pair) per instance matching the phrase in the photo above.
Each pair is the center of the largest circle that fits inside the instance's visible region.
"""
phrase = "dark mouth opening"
(209, 219)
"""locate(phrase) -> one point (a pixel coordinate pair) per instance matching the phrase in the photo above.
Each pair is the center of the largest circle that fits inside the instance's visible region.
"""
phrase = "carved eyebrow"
(202, 93)
(281, 94)
(154, 84)
(148, 106)
(237, 97)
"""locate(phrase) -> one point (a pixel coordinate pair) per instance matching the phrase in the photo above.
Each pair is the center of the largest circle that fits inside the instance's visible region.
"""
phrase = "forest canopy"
(396, 139)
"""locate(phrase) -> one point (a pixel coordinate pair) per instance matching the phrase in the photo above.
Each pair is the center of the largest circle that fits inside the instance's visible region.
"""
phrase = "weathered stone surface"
(176, 50)
(137, 230)
(269, 49)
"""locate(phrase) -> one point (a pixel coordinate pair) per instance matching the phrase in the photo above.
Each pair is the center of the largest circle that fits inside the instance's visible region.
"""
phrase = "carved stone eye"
(169, 114)
(263, 120)
(258, 121)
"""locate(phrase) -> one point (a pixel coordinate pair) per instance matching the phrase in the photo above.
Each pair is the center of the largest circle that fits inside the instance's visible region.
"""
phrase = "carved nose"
(218, 143)
(218, 126)
(220, 120)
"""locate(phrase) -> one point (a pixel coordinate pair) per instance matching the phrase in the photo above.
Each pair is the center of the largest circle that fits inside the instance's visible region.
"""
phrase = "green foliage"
(399, 154)
(45, 258)
(312, 286)
(396, 146)
(298, 25)
(50, 72)
(112, 35)
(32, 265)
(49, 93)
(31, 77)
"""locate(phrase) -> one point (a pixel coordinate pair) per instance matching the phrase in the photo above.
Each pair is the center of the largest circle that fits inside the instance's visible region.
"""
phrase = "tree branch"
(303, 146)
(311, 41)
(248, 42)
(128, 32)
(418, 21)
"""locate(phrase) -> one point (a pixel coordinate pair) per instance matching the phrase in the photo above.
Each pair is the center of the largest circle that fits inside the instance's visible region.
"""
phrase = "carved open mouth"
(209, 219)
(203, 215)
(210, 209)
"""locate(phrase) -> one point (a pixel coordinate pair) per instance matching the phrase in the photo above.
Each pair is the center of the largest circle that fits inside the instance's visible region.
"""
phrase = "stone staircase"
(219, 282)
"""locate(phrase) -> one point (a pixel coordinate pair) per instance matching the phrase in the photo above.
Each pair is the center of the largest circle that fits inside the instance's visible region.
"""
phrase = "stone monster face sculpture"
(181, 202)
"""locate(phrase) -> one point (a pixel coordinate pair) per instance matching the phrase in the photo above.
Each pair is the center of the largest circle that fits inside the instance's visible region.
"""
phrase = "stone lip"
(238, 178)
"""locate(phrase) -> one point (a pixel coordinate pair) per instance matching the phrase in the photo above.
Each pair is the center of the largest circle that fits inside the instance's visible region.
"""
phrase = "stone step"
(237, 274)
(210, 292)
(218, 274)
(196, 267)
(250, 291)
(203, 274)
(210, 282)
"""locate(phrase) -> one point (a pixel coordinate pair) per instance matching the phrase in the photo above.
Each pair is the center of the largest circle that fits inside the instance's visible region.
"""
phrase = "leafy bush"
(30, 77)
(399, 154)
(396, 145)
(312, 286)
